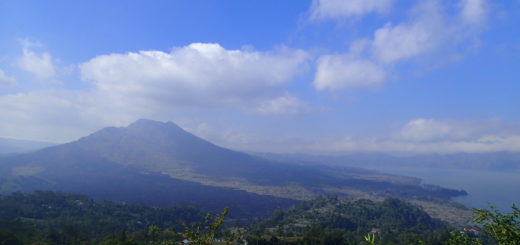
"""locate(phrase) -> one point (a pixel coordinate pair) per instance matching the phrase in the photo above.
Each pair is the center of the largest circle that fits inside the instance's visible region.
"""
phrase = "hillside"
(74, 170)
(161, 164)
(61, 218)
(329, 220)
(45, 217)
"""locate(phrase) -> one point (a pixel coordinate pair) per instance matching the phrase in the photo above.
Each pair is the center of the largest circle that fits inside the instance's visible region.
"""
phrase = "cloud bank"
(433, 136)
(416, 136)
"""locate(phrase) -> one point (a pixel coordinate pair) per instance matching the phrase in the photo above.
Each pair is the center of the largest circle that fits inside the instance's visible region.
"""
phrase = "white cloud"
(432, 136)
(39, 64)
(40, 115)
(423, 129)
(345, 72)
(200, 74)
(421, 34)
(429, 30)
(473, 11)
(429, 129)
(481, 145)
(62, 115)
(333, 9)
(283, 105)
(152, 84)
(6, 81)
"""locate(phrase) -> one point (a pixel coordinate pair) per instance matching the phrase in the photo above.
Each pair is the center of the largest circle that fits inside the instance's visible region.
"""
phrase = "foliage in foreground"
(343, 221)
(498, 228)
(60, 218)
(57, 218)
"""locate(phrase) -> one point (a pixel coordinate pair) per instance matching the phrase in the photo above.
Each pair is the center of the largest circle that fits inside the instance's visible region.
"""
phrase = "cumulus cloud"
(334, 9)
(151, 84)
(341, 71)
(422, 34)
(38, 64)
(6, 81)
(200, 74)
(429, 30)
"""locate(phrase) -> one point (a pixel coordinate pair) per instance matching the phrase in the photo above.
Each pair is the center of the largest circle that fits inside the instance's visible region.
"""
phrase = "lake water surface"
(502, 189)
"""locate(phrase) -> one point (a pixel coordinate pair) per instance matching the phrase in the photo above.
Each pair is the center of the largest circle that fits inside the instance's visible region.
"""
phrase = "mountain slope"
(159, 163)
(167, 149)
(71, 169)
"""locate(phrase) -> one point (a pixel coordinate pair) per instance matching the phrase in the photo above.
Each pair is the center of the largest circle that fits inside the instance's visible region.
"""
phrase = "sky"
(309, 76)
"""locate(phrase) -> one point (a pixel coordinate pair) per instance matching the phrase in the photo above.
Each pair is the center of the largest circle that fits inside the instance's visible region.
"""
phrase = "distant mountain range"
(495, 161)
(8, 146)
(159, 163)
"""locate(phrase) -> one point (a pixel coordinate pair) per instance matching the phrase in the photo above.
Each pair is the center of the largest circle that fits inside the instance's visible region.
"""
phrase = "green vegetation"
(505, 228)
(329, 220)
(497, 228)
(315, 222)
(208, 232)
(59, 218)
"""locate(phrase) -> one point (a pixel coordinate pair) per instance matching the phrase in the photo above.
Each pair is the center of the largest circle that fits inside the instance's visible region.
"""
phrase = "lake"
(502, 189)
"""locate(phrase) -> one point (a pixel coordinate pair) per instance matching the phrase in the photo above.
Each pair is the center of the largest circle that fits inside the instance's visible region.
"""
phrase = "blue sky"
(322, 76)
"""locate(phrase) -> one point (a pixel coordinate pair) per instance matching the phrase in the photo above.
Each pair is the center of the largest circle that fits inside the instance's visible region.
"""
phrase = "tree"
(503, 228)
(153, 233)
(463, 239)
(205, 234)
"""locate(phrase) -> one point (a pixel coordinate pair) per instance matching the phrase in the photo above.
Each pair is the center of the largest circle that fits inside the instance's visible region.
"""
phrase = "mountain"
(161, 164)
(8, 146)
